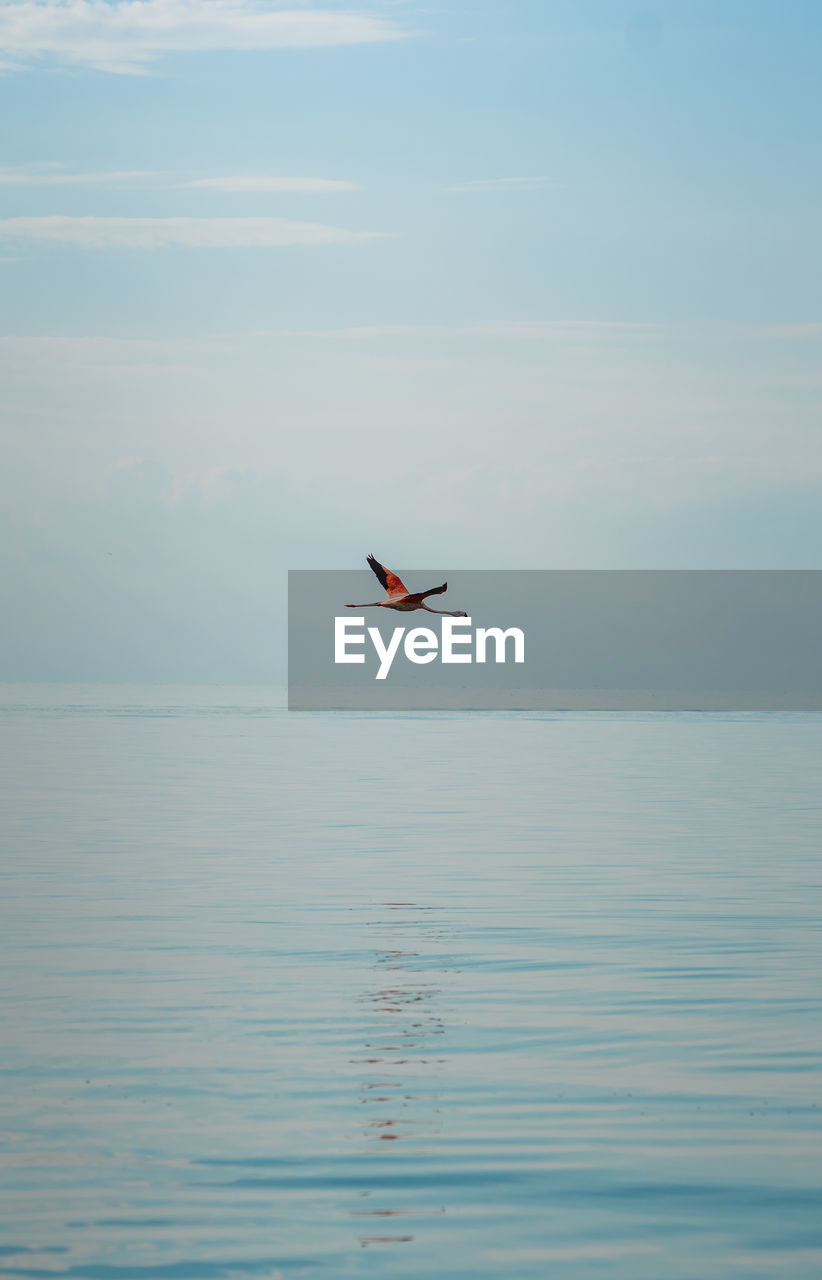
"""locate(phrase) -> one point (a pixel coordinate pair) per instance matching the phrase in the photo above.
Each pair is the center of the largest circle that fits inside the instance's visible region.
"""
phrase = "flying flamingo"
(399, 596)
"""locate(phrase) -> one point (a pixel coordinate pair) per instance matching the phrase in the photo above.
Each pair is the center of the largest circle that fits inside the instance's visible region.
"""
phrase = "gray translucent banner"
(577, 640)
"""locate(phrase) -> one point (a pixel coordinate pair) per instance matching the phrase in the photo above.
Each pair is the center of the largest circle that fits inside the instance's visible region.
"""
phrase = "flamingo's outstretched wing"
(388, 580)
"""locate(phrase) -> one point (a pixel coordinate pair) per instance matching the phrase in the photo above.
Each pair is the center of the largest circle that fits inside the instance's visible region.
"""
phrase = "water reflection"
(402, 1053)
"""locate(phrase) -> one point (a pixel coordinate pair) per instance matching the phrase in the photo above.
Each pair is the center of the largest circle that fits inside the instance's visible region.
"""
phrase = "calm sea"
(447, 995)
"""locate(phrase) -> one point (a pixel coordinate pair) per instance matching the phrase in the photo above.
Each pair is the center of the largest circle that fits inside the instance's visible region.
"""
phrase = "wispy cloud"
(515, 329)
(266, 182)
(573, 1253)
(163, 233)
(126, 36)
(809, 329)
(54, 176)
(505, 184)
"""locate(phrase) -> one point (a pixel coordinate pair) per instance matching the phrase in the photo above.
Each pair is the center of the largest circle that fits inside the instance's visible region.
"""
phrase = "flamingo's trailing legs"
(399, 597)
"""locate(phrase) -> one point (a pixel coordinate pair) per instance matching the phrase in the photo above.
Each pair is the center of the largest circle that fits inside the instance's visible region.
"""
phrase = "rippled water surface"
(401, 996)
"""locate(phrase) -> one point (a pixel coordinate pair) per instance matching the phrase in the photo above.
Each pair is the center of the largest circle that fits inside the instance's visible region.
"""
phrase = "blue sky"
(484, 285)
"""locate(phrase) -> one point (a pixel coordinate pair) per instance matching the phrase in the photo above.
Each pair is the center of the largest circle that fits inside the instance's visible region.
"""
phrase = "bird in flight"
(399, 597)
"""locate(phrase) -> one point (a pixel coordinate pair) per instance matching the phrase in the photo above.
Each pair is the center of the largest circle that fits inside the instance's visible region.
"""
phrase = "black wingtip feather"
(375, 565)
